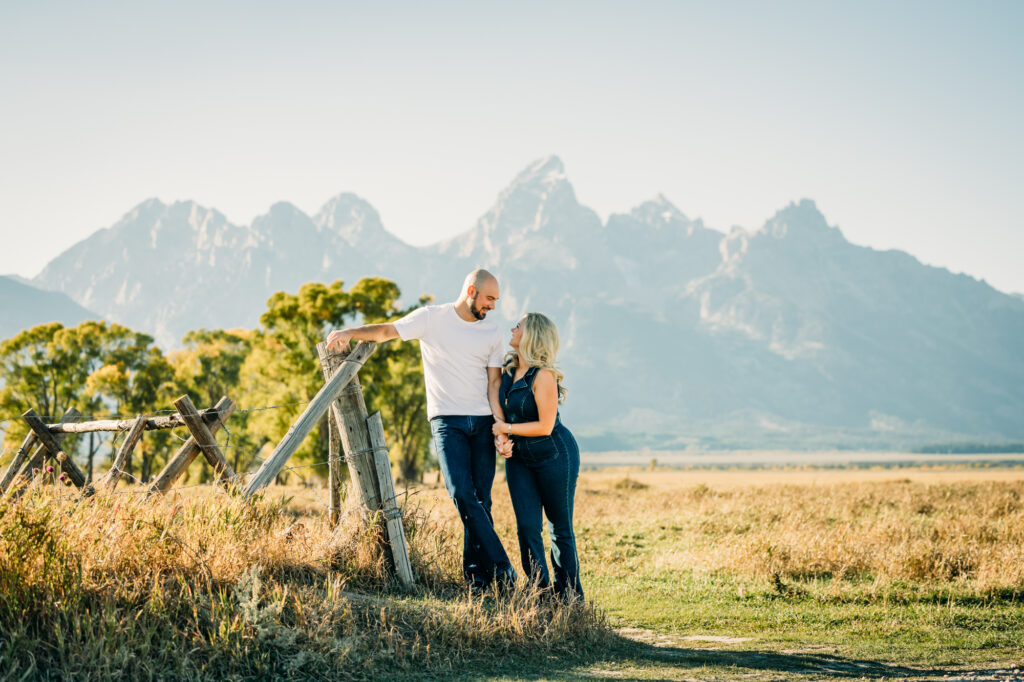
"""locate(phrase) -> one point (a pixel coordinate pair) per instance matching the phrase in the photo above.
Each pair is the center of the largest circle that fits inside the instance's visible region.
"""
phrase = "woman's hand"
(500, 428)
(503, 444)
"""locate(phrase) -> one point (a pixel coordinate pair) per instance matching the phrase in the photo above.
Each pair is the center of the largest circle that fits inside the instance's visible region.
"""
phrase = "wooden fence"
(356, 437)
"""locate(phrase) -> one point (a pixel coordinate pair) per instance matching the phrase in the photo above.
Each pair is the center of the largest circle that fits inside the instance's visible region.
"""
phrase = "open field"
(710, 574)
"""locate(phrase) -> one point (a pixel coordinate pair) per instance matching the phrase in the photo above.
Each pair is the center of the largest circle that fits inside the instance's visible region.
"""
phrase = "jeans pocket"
(537, 450)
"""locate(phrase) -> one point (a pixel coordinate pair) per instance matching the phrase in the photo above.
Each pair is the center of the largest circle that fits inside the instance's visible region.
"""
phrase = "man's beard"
(477, 313)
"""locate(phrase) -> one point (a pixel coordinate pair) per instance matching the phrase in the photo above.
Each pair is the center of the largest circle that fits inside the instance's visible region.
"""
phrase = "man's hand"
(503, 444)
(338, 340)
(499, 428)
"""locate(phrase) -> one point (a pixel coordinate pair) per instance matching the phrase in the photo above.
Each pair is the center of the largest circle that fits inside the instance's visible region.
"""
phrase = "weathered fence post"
(67, 464)
(125, 451)
(214, 419)
(350, 414)
(389, 505)
(204, 438)
(328, 365)
(19, 459)
(309, 418)
(39, 456)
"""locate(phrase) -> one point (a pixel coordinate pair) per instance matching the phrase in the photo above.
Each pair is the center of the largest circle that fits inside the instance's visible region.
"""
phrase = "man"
(462, 359)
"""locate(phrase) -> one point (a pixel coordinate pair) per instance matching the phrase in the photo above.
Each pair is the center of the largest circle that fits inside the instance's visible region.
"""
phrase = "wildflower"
(67, 481)
(49, 468)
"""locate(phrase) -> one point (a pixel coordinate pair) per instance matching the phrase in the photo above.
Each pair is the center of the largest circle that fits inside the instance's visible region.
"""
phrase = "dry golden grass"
(121, 586)
(118, 585)
(923, 525)
(882, 531)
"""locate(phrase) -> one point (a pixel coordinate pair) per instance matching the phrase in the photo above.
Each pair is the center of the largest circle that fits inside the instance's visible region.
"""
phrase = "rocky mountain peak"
(659, 212)
(534, 212)
(351, 218)
(800, 219)
(547, 172)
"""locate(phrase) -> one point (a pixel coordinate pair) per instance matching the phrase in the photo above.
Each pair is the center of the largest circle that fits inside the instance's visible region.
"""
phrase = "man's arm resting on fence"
(339, 338)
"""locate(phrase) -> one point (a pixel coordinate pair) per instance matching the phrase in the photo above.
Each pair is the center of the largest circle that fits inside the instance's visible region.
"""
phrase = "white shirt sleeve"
(497, 358)
(414, 325)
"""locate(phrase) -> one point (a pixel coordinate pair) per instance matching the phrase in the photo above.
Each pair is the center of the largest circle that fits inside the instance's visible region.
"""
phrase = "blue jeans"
(546, 482)
(466, 455)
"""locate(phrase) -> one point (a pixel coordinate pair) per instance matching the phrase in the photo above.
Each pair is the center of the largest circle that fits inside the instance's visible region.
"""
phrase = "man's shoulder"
(435, 307)
(427, 310)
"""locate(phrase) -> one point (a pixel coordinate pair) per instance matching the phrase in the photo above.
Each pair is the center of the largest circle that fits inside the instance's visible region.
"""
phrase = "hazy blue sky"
(901, 119)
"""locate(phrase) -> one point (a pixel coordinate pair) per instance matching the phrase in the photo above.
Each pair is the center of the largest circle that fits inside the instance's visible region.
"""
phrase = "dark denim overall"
(541, 477)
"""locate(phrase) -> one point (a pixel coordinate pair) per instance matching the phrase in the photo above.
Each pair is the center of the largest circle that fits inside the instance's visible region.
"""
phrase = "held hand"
(500, 428)
(338, 340)
(504, 446)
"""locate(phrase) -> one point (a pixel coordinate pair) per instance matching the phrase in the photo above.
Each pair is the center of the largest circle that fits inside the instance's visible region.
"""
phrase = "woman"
(545, 460)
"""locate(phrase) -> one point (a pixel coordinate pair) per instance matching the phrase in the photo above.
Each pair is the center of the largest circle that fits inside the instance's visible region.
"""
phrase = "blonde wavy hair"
(539, 347)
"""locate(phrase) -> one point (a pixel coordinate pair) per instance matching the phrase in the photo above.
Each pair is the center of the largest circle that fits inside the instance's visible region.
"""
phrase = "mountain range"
(673, 334)
(23, 305)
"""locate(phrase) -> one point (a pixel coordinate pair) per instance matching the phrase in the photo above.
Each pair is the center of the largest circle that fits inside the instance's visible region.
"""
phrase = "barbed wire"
(238, 478)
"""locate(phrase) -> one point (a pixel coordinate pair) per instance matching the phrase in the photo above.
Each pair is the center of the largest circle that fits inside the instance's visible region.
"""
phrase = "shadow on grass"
(628, 659)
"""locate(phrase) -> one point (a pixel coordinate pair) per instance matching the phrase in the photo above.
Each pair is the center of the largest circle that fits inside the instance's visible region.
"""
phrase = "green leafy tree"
(132, 380)
(90, 367)
(41, 370)
(282, 368)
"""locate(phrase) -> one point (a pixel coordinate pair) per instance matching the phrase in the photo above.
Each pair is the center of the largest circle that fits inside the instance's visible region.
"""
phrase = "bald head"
(479, 295)
(477, 279)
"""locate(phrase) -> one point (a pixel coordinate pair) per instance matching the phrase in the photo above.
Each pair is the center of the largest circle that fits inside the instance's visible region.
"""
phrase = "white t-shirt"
(456, 355)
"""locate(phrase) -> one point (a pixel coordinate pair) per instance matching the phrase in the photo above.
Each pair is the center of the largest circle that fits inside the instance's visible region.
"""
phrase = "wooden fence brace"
(204, 438)
(350, 414)
(309, 418)
(19, 459)
(124, 452)
(39, 456)
(389, 505)
(214, 418)
(67, 464)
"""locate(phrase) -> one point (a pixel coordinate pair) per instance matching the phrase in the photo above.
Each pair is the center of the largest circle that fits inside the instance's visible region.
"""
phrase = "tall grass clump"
(207, 586)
